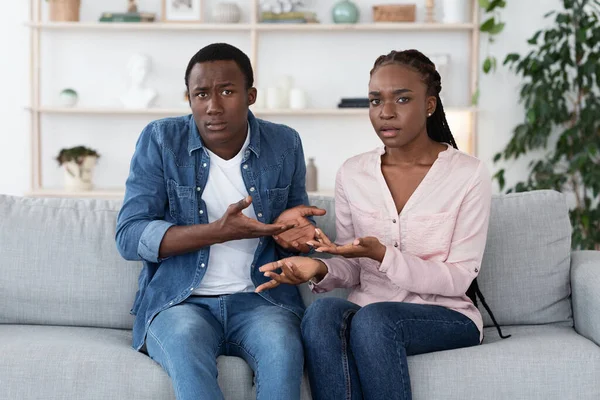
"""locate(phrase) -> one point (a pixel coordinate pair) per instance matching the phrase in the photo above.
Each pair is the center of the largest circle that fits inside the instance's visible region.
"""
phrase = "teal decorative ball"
(345, 12)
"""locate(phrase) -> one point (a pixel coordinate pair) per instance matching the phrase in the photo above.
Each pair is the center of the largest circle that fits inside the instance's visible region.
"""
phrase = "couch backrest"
(525, 271)
(59, 264)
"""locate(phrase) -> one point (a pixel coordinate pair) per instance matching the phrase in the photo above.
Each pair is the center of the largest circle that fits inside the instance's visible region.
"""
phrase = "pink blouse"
(434, 246)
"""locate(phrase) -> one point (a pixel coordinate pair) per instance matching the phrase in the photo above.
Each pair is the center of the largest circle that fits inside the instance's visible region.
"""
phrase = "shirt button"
(476, 270)
(394, 221)
(171, 303)
(198, 188)
(191, 289)
(259, 215)
(396, 244)
(245, 166)
(204, 165)
(202, 265)
(252, 189)
(201, 212)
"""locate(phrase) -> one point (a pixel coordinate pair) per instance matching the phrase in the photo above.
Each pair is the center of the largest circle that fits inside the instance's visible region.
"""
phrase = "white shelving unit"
(253, 29)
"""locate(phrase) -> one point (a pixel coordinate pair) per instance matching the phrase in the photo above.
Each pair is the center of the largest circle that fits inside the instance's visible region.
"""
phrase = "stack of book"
(127, 17)
(355, 102)
(294, 17)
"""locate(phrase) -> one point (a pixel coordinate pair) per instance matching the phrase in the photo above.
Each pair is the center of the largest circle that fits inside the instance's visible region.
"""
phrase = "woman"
(412, 220)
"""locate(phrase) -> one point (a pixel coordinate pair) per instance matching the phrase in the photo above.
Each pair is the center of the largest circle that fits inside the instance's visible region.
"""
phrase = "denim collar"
(195, 141)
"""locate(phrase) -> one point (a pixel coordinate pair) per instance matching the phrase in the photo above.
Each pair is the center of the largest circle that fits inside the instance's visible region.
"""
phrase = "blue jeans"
(187, 339)
(354, 353)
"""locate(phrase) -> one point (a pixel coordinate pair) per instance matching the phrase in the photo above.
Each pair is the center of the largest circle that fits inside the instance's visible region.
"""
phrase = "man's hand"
(234, 225)
(295, 239)
(294, 271)
(369, 247)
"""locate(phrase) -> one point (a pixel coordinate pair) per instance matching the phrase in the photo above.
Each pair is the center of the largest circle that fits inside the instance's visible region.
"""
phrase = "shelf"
(376, 26)
(185, 111)
(112, 193)
(142, 26)
(162, 26)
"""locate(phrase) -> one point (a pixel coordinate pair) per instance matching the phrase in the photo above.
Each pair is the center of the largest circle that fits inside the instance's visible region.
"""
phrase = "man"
(204, 197)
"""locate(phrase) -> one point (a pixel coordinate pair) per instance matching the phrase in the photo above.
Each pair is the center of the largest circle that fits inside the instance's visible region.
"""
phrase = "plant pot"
(79, 177)
(64, 10)
(456, 11)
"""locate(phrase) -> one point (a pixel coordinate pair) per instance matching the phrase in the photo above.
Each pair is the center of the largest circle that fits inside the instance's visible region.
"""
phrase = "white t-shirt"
(229, 263)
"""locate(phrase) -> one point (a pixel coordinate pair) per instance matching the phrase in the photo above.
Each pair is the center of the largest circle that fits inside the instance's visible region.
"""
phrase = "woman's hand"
(294, 271)
(369, 247)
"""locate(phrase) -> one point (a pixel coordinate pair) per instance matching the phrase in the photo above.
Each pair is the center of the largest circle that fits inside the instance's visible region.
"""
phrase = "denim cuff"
(150, 240)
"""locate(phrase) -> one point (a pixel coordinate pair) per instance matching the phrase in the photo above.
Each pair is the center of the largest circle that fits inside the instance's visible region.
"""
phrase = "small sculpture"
(138, 95)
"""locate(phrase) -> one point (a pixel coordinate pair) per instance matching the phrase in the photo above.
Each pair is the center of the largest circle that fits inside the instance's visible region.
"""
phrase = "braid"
(437, 126)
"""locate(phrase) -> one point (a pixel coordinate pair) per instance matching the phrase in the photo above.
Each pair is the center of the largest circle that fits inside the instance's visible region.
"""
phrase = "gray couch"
(65, 295)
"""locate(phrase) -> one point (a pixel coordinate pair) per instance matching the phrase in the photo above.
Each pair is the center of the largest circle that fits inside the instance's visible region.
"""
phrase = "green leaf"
(484, 3)
(511, 58)
(534, 38)
(475, 97)
(549, 14)
(497, 28)
(487, 25)
(487, 65)
(531, 116)
(497, 157)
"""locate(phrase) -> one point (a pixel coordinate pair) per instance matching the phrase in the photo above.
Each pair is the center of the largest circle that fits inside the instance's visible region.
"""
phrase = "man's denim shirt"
(168, 173)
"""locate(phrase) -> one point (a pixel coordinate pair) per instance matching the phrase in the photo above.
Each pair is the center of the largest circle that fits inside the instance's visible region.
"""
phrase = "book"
(127, 17)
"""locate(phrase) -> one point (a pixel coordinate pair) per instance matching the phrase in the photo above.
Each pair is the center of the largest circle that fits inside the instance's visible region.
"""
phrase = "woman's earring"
(429, 115)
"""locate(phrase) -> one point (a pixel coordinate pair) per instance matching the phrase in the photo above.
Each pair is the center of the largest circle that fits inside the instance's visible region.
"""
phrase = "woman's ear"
(431, 105)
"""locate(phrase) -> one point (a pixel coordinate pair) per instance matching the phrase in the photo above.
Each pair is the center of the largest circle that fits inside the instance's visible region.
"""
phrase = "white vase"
(456, 11)
(226, 13)
(79, 177)
(297, 99)
(275, 98)
(261, 96)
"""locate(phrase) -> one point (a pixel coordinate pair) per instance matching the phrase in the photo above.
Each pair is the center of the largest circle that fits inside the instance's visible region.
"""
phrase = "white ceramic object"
(80, 177)
(298, 99)
(275, 98)
(226, 13)
(68, 98)
(456, 11)
(261, 99)
(138, 96)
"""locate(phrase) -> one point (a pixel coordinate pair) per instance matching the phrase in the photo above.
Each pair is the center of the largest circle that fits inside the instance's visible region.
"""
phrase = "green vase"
(345, 12)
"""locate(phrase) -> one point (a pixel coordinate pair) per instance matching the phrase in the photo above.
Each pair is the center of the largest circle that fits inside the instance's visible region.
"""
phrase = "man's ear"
(252, 92)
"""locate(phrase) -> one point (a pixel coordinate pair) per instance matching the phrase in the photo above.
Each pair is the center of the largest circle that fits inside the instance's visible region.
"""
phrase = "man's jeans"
(187, 339)
(355, 353)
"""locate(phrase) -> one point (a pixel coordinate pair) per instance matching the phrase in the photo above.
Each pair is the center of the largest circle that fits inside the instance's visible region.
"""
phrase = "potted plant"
(78, 164)
(64, 10)
(561, 95)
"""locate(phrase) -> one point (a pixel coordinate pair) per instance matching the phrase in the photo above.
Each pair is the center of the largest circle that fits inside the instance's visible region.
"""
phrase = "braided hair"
(437, 127)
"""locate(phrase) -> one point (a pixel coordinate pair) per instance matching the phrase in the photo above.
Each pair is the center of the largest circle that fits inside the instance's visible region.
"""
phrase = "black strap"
(473, 292)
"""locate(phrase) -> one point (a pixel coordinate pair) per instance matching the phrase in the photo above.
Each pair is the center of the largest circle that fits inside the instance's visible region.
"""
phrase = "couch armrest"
(585, 283)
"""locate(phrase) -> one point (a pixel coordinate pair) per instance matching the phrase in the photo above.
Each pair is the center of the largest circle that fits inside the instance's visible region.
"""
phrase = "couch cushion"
(525, 274)
(60, 266)
(537, 362)
(42, 362)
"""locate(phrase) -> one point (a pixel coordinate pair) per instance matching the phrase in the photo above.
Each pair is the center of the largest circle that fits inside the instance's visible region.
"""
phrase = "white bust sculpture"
(138, 95)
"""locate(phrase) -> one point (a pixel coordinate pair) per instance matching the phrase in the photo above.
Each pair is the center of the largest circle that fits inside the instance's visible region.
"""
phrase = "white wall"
(327, 65)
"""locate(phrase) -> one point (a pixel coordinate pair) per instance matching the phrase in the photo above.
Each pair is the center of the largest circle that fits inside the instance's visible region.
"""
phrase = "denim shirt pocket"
(278, 198)
(181, 202)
